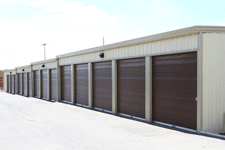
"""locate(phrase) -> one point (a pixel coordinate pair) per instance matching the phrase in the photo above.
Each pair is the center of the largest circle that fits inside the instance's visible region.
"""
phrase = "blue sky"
(71, 25)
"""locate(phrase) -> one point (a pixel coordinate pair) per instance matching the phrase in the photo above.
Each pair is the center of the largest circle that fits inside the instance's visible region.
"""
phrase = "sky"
(73, 25)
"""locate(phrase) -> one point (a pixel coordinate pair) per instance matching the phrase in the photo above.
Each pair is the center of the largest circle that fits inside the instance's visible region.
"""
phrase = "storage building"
(23, 78)
(10, 81)
(45, 79)
(176, 78)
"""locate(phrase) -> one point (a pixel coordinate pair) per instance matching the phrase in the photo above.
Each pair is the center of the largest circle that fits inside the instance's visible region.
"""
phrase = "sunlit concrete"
(30, 123)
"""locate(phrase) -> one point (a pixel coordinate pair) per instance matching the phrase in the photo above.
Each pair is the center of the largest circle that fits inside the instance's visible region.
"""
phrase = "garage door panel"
(8, 83)
(131, 87)
(174, 82)
(36, 83)
(53, 82)
(44, 84)
(13, 84)
(24, 84)
(102, 85)
(30, 84)
(81, 84)
(66, 83)
(20, 83)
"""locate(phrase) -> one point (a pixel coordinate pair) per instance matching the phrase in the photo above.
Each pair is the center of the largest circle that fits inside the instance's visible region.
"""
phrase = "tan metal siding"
(48, 65)
(20, 70)
(167, 46)
(214, 82)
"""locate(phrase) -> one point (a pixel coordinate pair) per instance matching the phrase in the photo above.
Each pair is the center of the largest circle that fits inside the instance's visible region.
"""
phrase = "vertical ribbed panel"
(44, 84)
(131, 87)
(20, 83)
(174, 89)
(24, 84)
(36, 83)
(8, 83)
(66, 83)
(214, 82)
(16, 83)
(53, 84)
(12, 83)
(166, 46)
(29, 84)
(102, 85)
(81, 84)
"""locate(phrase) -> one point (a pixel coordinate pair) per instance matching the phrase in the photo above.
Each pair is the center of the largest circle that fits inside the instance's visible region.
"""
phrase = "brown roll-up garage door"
(36, 83)
(53, 83)
(20, 83)
(44, 84)
(24, 84)
(66, 83)
(131, 87)
(8, 83)
(102, 85)
(12, 84)
(16, 83)
(30, 84)
(175, 89)
(81, 84)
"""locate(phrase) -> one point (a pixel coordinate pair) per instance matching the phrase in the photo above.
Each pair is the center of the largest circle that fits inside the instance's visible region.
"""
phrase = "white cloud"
(42, 3)
(222, 24)
(8, 2)
(75, 13)
(164, 14)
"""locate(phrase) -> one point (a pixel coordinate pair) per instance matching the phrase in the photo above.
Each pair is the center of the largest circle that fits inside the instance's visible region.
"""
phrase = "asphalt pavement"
(31, 123)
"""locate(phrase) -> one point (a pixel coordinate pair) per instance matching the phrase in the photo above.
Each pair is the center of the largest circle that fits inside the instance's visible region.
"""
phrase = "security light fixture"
(43, 66)
(10, 72)
(101, 55)
(23, 70)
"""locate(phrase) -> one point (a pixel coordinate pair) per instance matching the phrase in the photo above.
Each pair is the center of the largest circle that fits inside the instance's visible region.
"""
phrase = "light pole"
(44, 50)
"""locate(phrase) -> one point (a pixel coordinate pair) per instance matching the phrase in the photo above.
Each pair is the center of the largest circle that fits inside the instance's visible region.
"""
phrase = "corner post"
(40, 88)
(48, 85)
(90, 82)
(114, 86)
(58, 81)
(199, 82)
(72, 84)
(148, 89)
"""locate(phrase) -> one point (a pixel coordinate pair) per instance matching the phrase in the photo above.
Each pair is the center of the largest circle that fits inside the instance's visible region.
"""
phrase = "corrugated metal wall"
(167, 46)
(214, 82)
(48, 65)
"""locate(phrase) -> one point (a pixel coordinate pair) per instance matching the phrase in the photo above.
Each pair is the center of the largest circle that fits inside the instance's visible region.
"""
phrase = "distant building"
(1, 79)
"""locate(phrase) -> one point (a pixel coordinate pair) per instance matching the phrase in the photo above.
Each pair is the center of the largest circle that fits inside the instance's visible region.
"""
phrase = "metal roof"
(44, 61)
(161, 36)
(20, 67)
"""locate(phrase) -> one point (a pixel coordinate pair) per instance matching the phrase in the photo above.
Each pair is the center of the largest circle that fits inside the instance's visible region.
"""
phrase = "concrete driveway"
(30, 123)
